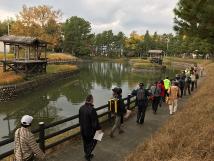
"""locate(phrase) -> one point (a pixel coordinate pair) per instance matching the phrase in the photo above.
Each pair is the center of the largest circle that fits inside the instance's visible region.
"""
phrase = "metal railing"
(41, 131)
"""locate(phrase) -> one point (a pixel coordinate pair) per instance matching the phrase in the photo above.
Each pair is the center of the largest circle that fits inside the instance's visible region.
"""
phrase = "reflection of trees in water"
(34, 105)
(75, 90)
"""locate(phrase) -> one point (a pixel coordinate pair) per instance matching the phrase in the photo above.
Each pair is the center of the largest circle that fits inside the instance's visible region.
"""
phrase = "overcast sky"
(118, 15)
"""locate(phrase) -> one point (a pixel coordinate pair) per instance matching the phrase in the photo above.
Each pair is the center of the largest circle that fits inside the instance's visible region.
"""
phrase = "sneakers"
(88, 158)
(121, 131)
(111, 135)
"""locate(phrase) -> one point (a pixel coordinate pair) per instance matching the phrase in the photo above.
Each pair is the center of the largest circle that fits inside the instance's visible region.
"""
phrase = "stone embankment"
(11, 91)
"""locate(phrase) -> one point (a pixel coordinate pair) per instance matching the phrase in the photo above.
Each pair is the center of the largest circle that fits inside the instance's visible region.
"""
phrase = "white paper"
(98, 135)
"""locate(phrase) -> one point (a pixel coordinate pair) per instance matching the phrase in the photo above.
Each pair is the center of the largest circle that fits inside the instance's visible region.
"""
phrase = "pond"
(62, 99)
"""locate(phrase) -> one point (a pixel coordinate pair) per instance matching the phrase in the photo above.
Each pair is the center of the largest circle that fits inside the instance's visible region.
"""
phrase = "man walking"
(155, 92)
(26, 148)
(117, 94)
(142, 102)
(89, 124)
(174, 93)
(167, 84)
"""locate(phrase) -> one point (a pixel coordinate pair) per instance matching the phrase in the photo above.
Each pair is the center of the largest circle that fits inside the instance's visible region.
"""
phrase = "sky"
(118, 15)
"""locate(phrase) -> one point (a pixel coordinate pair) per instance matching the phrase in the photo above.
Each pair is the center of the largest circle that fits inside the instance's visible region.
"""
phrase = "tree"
(41, 22)
(77, 36)
(195, 18)
(5, 26)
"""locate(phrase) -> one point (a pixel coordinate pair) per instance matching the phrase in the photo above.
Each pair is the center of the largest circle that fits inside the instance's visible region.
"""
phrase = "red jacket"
(161, 86)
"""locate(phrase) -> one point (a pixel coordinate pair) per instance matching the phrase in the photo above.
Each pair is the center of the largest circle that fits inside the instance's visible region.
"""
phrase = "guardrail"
(42, 128)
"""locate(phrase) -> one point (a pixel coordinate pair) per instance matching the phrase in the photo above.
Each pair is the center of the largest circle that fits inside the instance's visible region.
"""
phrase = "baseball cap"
(117, 90)
(26, 120)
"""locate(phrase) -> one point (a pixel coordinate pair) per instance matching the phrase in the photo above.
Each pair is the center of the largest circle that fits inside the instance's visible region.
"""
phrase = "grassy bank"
(188, 135)
(7, 78)
(143, 63)
(50, 56)
(186, 60)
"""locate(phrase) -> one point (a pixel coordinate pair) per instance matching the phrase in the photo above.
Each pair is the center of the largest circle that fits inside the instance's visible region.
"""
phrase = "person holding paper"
(89, 124)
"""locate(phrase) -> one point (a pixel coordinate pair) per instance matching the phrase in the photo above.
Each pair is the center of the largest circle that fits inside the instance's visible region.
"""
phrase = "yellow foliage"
(40, 22)
(9, 77)
(60, 56)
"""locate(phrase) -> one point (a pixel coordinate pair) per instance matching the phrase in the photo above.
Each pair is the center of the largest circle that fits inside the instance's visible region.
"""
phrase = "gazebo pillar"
(28, 53)
(5, 59)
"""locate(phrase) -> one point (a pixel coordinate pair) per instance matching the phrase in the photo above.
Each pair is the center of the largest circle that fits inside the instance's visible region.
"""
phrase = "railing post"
(128, 101)
(42, 136)
(109, 110)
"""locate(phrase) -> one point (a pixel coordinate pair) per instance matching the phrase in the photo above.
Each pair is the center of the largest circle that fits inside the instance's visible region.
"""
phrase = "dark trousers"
(192, 85)
(182, 92)
(187, 87)
(155, 104)
(196, 83)
(141, 114)
(89, 145)
(165, 94)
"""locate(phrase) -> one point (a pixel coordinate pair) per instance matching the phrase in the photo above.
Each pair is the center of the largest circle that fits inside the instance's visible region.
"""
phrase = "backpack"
(140, 94)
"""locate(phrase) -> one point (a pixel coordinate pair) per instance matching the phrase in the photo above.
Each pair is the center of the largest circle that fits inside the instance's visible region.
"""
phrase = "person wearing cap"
(141, 101)
(26, 148)
(89, 124)
(117, 94)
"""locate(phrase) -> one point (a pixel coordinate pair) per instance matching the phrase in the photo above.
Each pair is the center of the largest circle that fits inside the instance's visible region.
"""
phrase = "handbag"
(31, 157)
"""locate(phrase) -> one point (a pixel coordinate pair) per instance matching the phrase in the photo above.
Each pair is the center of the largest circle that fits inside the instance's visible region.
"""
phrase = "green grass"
(60, 68)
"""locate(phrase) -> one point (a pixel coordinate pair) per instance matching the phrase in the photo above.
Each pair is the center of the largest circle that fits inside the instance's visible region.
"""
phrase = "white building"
(2, 47)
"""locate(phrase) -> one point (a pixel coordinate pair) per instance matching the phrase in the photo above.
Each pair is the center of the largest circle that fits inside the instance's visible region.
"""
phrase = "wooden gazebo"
(27, 54)
(156, 56)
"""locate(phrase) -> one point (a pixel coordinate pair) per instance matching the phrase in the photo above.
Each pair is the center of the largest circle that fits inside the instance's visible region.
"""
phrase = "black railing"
(42, 128)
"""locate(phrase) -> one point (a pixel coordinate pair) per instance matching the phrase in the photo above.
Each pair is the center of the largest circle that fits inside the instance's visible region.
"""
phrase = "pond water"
(62, 99)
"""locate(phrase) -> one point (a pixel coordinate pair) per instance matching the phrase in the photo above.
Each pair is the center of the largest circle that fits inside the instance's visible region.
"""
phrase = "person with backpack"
(117, 94)
(187, 84)
(167, 84)
(155, 92)
(141, 101)
(181, 83)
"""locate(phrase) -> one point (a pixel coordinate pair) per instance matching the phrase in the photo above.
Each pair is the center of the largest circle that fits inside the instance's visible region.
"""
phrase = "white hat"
(26, 120)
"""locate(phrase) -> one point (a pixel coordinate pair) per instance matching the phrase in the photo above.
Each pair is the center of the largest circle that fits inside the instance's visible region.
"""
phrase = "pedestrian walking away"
(167, 84)
(89, 124)
(174, 93)
(26, 148)
(162, 94)
(155, 92)
(119, 112)
(141, 102)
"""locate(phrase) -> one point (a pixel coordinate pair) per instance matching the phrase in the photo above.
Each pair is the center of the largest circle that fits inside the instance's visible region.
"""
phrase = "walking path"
(115, 149)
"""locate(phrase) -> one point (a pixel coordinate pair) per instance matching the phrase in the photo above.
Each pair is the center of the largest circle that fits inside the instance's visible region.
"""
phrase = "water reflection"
(63, 98)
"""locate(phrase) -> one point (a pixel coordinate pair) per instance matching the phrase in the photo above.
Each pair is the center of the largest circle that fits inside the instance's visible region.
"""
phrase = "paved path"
(115, 149)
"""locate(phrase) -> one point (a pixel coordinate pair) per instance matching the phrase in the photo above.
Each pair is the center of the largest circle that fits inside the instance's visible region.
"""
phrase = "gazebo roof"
(22, 40)
(155, 51)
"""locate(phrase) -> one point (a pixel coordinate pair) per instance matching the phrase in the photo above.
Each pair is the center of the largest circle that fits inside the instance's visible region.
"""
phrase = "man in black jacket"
(89, 124)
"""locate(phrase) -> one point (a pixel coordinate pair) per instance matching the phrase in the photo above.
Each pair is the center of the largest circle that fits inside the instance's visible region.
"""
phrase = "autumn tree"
(40, 21)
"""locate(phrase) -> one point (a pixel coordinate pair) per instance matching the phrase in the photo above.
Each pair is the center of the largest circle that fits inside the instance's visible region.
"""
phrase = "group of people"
(166, 90)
